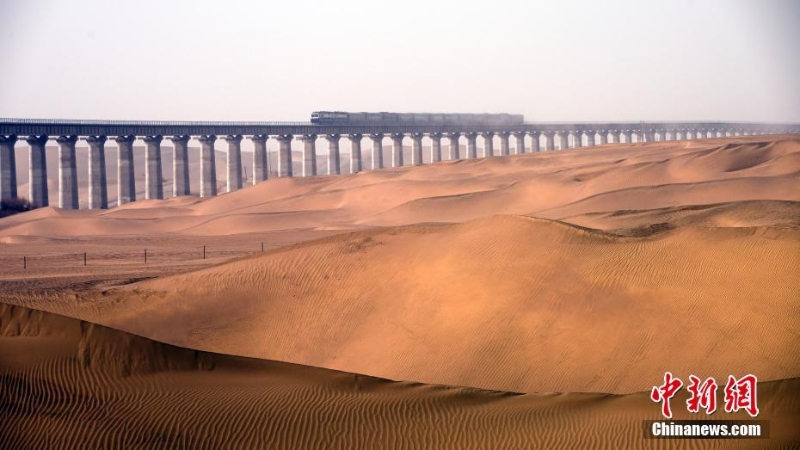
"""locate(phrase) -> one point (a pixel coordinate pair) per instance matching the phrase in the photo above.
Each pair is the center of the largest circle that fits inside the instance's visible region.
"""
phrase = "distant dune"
(554, 185)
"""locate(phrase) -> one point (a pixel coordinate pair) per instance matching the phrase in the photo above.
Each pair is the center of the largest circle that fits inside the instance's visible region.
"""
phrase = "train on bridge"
(391, 118)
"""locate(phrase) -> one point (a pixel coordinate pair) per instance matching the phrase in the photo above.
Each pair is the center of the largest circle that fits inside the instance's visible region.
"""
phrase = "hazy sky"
(279, 60)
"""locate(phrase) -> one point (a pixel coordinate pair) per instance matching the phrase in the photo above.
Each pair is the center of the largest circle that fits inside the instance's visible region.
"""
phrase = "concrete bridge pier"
(260, 161)
(577, 139)
(416, 148)
(8, 167)
(436, 147)
(488, 143)
(549, 141)
(234, 162)
(590, 138)
(377, 151)
(564, 140)
(98, 180)
(208, 165)
(355, 153)
(153, 174)
(180, 165)
(535, 142)
(126, 183)
(454, 150)
(397, 149)
(472, 145)
(505, 149)
(628, 136)
(519, 143)
(309, 154)
(603, 137)
(284, 155)
(334, 158)
(710, 134)
(689, 135)
(67, 172)
(37, 175)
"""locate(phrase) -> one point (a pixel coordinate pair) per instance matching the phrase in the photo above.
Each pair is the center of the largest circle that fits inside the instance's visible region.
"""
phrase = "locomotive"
(390, 118)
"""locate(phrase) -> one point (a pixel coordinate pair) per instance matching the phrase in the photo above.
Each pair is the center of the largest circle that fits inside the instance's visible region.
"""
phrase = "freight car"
(390, 118)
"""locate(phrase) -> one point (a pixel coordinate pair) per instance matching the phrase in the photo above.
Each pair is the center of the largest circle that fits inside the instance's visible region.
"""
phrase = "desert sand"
(73, 384)
(514, 301)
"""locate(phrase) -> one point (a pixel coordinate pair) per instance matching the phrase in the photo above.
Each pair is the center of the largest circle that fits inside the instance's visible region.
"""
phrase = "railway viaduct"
(539, 137)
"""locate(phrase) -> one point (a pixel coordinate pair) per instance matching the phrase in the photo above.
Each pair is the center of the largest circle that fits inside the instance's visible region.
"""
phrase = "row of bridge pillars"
(98, 195)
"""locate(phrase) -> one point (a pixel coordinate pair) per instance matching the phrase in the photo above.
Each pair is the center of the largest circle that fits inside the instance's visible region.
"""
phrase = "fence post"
(145, 256)
(262, 246)
(25, 262)
(204, 252)
(84, 258)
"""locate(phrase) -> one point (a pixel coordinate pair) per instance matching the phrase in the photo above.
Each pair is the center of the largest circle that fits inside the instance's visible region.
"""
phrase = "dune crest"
(544, 305)
(244, 403)
(553, 185)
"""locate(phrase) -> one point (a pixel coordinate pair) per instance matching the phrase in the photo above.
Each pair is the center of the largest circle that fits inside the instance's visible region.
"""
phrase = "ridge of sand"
(759, 213)
(544, 306)
(645, 258)
(135, 392)
(554, 185)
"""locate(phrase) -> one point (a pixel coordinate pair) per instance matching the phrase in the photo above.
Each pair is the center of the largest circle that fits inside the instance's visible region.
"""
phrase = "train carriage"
(390, 118)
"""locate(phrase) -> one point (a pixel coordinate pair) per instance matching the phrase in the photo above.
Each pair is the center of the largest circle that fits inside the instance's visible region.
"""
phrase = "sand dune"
(542, 305)
(554, 185)
(578, 271)
(139, 393)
